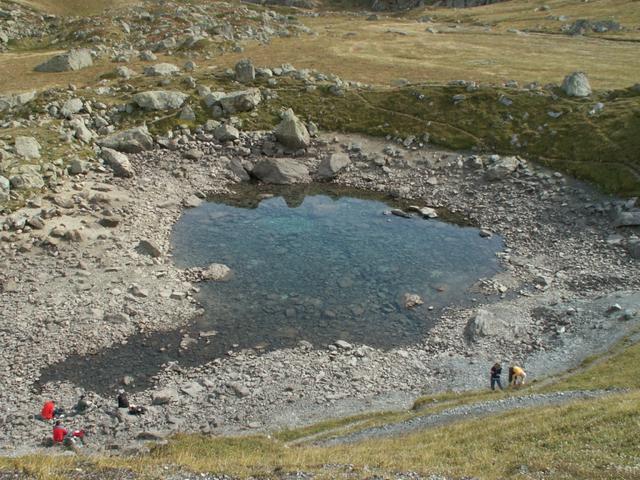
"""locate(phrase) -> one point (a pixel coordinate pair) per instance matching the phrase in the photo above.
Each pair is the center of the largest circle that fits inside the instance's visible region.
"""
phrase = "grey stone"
(161, 70)
(226, 133)
(628, 219)
(5, 188)
(72, 60)
(501, 167)
(634, 249)
(27, 177)
(576, 85)
(78, 166)
(217, 272)
(343, 345)
(187, 114)
(291, 132)
(238, 170)
(71, 107)
(118, 162)
(411, 300)
(159, 100)
(134, 140)
(27, 148)
(239, 389)
(192, 389)
(331, 166)
(125, 72)
(281, 171)
(245, 72)
(164, 396)
(146, 247)
(240, 101)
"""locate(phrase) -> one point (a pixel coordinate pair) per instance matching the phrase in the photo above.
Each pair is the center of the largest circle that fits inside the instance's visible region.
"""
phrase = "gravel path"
(464, 412)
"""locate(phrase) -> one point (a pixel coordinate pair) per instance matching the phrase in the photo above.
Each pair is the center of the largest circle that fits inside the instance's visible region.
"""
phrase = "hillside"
(118, 118)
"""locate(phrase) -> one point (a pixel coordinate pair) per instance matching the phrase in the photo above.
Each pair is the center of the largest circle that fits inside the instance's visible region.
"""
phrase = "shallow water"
(317, 267)
(327, 269)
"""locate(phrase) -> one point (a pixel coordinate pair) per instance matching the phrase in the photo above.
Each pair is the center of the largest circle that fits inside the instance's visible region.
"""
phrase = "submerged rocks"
(216, 272)
(411, 300)
(72, 60)
(160, 100)
(291, 132)
(281, 171)
(576, 85)
(134, 140)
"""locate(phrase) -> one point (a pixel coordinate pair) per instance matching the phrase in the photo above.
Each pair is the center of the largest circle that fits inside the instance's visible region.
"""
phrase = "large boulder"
(16, 100)
(160, 100)
(291, 132)
(576, 85)
(245, 72)
(501, 167)
(240, 101)
(161, 70)
(496, 322)
(281, 171)
(134, 140)
(27, 148)
(72, 60)
(118, 162)
(331, 166)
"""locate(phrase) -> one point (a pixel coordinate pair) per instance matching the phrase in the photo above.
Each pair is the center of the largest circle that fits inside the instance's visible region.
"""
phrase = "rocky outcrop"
(160, 100)
(576, 85)
(241, 101)
(291, 132)
(134, 140)
(281, 171)
(72, 60)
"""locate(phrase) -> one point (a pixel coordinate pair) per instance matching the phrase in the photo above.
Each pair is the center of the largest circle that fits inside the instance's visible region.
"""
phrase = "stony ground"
(564, 295)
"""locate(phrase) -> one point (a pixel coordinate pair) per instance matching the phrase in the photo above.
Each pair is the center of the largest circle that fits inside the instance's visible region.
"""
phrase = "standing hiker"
(496, 372)
(516, 376)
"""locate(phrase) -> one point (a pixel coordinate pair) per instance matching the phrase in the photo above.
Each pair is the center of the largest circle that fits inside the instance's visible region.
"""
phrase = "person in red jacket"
(48, 410)
(59, 432)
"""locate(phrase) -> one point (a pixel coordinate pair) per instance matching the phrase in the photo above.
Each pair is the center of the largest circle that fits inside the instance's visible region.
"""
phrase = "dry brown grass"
(365, 51)
(75, 7)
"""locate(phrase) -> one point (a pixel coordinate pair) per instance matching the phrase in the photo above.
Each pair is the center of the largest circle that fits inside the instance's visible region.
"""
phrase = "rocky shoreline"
(76, 279)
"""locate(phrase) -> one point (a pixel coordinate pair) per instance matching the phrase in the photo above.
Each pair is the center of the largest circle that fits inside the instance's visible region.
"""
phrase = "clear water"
(313, 267)
(327, 269)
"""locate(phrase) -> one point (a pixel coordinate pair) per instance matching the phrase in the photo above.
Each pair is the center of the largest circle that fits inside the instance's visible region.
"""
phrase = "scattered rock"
(161, 70)
(245, 72)
(291, 132)
(146, 247)
(164, 396)
(118, 162)
(281, 171)
(331, 166)
(576, 85)
(72, 60)
(27, 148)
(159, 100)
(134, 140)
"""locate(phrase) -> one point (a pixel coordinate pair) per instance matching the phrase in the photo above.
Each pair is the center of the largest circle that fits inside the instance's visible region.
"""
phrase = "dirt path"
(464, 412)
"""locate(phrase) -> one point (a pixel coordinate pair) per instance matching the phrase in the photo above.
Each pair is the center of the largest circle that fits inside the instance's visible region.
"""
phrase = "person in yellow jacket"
(516, 376)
